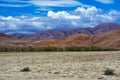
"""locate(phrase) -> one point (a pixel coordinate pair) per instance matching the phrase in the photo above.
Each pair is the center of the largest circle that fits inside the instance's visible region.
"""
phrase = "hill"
(108, 39)
(4, 37)
(105, 27)
(103, 35)
(8, 41)
(69, 41)
(58, 34)
(21, 36)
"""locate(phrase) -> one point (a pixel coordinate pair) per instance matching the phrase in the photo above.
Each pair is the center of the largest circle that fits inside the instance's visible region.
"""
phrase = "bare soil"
(60, 65)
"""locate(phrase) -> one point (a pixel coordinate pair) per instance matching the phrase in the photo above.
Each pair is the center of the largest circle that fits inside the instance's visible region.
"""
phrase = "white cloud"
(95, 15)
(9, 18)
(14, 1)
(105, 1)
(15, 5)
(62, 14)
(90, 10)
(2, 24)
(57, 3)
(80, 17)
(44, 3)
(43, 9)
(37, 24)
(113, 12)
(19, 3)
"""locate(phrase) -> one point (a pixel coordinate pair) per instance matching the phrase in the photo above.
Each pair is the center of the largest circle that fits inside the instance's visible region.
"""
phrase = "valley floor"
(59, 65)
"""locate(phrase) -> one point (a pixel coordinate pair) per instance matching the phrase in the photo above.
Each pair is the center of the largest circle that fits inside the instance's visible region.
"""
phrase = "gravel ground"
(60, 65)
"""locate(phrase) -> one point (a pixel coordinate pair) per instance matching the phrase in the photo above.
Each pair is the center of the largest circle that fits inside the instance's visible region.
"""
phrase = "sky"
(31, 16)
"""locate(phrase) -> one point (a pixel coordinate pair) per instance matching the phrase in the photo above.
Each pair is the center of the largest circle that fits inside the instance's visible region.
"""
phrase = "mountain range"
(58, 34)
(102, 35)
(6, 40)
(107, 39)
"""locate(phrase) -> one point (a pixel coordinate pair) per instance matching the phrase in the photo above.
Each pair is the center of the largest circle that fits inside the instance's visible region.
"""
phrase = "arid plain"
(60, 65)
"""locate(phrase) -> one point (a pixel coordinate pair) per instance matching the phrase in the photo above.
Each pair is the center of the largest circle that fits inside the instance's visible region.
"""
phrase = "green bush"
(53, 48)
(27, 69)
(109, 72)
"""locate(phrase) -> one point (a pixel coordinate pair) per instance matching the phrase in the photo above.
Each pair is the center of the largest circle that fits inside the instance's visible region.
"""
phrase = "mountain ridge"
(58, 34)
(107, 39)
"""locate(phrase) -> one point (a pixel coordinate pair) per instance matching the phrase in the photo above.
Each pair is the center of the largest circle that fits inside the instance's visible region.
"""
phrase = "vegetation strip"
(49, 48)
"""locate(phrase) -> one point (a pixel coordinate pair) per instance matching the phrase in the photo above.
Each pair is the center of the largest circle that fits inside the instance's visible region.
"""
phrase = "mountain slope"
(21, 36)
(58, 34)
(4, 37)
(69, 41)
(105, 27)
(108, 39)
(8, 41)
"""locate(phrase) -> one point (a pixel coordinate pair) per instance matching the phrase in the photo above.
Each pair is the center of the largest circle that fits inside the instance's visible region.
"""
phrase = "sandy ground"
(59, 65)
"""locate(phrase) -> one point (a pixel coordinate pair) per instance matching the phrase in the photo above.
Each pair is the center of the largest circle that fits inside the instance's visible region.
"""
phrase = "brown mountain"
(58, 34)
(4, 37)
(6, 40)
(69, 41)
(108, 39)
(104, 27)
(21, 36)
(97, 36)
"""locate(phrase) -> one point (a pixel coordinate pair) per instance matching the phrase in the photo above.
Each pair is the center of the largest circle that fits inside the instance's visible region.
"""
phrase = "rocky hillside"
(58, 34)
(108, 39)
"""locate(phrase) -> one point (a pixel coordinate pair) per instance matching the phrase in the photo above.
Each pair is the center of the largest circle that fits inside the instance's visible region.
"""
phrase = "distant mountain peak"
(4, 35)
(105, 27)
(110, 24)
(58, 34)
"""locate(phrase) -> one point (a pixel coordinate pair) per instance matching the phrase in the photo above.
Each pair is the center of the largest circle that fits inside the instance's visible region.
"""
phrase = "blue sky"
(30, 16)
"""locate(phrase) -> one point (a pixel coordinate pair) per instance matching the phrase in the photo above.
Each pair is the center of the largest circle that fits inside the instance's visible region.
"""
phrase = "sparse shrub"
(57, 72)
(26, 69)
(55, 48)
(109, 72)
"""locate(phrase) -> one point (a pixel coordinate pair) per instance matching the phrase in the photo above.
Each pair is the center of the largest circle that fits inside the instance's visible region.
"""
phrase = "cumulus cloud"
(105, 1)
(62, 14)
(9, 18)
(80, 17)
(91, 10)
